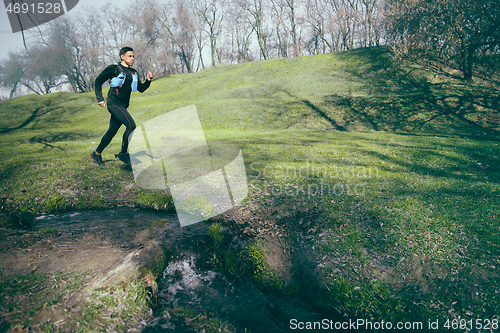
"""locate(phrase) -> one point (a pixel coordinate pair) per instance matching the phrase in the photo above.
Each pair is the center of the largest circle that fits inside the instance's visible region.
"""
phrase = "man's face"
(128, 58)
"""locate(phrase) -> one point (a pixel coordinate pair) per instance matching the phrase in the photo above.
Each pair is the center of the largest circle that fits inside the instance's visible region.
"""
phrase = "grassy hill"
(358, 90)
(390, 170)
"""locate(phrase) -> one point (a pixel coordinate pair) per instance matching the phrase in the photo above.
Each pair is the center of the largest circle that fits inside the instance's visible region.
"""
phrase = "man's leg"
(126, 119)
(114, 125)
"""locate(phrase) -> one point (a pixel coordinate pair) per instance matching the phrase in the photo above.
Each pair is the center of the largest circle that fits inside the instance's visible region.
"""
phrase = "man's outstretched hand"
(103, 103)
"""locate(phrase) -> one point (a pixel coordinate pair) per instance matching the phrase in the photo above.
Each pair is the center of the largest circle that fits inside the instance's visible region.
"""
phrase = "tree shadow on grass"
(439, 188)
(454, 158)
(310, 112)
(405, 99)
(37, 113)
(47, 138)
(456, 172)
(323, 115)
(36, 110)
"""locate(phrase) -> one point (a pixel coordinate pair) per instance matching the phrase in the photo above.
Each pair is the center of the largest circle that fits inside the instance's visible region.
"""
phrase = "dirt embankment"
(104, 248)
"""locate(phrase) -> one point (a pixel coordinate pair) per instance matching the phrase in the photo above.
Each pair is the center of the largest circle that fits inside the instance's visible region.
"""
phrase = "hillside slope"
(349, 91)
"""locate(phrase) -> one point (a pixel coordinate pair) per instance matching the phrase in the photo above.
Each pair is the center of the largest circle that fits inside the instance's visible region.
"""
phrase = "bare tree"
(452, 30)
(185, 35)
(316, 18)
(212, 12)
(144, 34)
(43, 69)
(95, 42)
(290, 9)
(12, 72)
(177, 23)
(199, 26)
(64, 37)
(112, 22)
(337, 25)
(169, 42)
(371, 22)
(281, 28)
(257, 18)
(240, 32)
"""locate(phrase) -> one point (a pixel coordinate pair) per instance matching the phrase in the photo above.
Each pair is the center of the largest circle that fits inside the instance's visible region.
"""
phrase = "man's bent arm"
(99, 81)
(143, 86)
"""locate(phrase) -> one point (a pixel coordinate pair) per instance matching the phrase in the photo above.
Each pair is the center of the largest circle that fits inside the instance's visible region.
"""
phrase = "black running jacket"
(120, 95)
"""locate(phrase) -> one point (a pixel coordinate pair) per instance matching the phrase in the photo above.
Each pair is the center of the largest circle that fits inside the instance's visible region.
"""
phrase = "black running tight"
(119, 116)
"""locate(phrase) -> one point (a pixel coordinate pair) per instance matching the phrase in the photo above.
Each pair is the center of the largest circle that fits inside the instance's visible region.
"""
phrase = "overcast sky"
(14, 41)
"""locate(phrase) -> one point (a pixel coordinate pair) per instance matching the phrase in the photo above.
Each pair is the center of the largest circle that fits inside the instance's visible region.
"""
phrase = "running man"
(123, 80)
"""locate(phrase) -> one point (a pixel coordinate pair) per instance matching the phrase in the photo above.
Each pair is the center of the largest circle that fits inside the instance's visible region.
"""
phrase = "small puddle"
(241, 303)
(182, 276)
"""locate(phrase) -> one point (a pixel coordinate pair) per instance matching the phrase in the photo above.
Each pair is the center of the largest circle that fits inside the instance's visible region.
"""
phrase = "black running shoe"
(97, 158)
(124, 157)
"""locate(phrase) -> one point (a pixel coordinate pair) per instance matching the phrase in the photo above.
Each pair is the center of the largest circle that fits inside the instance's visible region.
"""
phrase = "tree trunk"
(13, 91)
(468, 63)
(186, 61)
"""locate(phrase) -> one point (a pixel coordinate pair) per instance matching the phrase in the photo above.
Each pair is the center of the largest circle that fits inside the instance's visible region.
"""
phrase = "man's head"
(127, 55)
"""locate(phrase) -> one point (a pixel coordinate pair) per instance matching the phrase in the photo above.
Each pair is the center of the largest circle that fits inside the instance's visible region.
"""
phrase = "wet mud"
(191, 282)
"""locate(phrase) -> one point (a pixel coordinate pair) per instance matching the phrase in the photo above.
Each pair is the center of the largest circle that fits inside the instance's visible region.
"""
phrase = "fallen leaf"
(19, 329)
(149, 279)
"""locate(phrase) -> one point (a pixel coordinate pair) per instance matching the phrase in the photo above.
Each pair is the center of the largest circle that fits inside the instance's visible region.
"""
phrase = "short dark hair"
(125, 50)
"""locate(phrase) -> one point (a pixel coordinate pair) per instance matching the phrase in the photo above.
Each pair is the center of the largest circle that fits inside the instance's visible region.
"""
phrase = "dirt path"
(104, 247)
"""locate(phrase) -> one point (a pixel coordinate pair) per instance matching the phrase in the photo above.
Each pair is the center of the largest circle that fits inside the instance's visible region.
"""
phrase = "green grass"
(23, 296)
(417, 213)
(247, 263)
(399, 207)
(118, 307)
